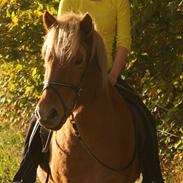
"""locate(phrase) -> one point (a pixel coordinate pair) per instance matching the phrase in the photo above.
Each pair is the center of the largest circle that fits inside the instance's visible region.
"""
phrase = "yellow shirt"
(112, 18)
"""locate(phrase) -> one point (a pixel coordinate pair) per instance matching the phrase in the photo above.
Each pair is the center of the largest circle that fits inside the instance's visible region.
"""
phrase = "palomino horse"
(93, 138)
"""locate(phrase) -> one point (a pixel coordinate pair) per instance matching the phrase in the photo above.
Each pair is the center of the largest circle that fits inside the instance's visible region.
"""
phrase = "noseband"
(76, 90)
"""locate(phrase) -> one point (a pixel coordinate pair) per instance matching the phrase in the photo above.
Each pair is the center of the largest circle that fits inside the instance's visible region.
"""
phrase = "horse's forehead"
(68, 44)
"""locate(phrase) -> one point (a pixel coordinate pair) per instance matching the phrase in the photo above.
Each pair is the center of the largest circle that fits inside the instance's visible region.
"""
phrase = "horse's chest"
(70, 162)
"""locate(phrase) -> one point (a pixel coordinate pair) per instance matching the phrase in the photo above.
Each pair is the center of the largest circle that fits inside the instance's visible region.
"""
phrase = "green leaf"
(2, 3)
(14, 18)
(178, 144)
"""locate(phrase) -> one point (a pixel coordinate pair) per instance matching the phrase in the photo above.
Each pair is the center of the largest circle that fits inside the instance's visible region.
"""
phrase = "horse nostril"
(53, 114)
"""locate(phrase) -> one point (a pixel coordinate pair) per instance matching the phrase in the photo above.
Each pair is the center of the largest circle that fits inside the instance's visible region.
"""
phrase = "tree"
(21, 65)
(156, 69)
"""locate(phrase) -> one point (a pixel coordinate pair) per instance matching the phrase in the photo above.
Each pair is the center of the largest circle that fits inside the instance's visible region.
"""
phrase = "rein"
(88, 150)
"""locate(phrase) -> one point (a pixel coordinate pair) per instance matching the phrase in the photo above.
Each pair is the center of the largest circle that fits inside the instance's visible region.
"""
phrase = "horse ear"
(86, 24)
(48, 20)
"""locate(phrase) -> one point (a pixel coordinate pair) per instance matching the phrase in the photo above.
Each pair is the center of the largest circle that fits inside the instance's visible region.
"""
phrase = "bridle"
(49, 85)
(76, 89)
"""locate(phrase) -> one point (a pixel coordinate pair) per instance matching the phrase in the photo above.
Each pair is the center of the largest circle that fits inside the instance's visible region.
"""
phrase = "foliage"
(21, 66)
(21, 36)
(11, 140)
(154, 69)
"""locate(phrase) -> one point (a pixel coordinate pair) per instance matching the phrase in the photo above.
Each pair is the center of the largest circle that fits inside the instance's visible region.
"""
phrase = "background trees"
(154, 69)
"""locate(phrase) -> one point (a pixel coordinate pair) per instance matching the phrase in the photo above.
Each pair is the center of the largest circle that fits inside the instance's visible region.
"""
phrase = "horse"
(93, 133)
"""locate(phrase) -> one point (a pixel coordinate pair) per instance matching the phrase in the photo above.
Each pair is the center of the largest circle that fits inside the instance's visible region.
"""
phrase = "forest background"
(154, 69)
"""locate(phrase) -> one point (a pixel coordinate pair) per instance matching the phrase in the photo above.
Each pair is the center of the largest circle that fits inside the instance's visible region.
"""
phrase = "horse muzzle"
(50, 118)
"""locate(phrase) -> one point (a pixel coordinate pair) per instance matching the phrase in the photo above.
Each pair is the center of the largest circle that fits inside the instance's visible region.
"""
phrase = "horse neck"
(104, 121)
(95, 87)
(100, 103)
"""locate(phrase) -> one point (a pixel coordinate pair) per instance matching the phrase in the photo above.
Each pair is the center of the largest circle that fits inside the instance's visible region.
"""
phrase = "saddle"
(35, 151)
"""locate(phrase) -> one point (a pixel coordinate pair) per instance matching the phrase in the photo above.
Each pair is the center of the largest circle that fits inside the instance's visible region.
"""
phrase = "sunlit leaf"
(2, 3)
(178, 144)
(14, 18)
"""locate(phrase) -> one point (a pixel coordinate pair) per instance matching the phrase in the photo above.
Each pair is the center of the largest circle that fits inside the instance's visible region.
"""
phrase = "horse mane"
(63, 40)
(101, 56)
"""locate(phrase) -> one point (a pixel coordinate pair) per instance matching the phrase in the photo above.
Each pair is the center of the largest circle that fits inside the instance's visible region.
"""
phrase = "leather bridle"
(76, 90)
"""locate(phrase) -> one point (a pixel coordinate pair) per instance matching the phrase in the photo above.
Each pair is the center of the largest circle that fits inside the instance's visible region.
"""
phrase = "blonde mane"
(63, 41)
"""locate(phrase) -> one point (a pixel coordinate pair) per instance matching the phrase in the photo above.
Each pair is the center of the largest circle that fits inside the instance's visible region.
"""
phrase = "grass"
(11, 143)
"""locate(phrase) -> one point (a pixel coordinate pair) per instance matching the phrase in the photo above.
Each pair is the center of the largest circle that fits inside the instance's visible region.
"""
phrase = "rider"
(112, 18)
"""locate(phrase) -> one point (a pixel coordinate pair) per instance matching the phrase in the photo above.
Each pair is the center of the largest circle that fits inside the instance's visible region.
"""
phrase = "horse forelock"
(62, 40)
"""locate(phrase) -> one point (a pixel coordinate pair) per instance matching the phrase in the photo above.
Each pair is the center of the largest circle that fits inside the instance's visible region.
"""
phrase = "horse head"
(71, 47)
